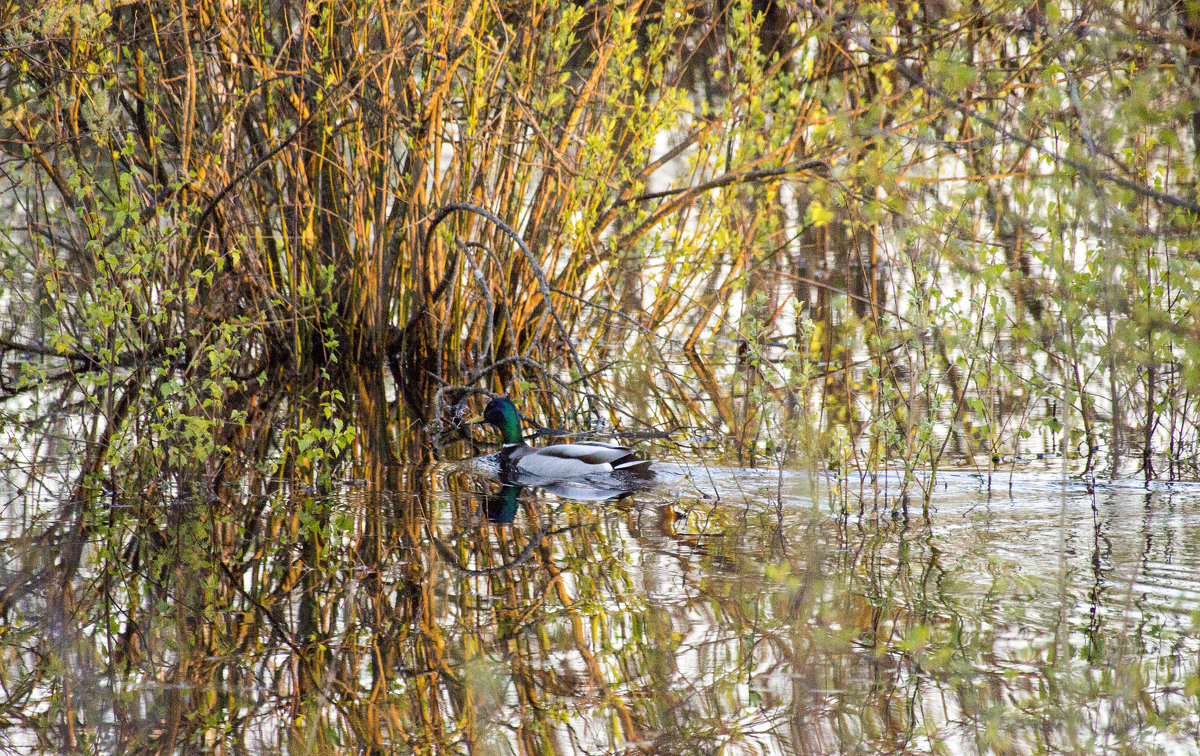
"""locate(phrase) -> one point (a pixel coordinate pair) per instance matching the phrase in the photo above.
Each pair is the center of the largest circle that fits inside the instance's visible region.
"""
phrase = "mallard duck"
(560, 461)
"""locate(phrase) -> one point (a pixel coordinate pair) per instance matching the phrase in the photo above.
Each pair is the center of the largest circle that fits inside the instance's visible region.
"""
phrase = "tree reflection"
(418, 607)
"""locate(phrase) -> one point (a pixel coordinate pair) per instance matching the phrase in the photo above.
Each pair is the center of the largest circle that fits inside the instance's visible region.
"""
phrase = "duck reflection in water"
(500, 507)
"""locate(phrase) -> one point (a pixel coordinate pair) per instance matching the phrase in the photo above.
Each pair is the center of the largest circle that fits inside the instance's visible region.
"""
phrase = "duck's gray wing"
(627, 461)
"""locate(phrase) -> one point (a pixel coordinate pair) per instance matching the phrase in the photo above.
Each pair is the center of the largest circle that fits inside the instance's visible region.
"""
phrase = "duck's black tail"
(632, 465)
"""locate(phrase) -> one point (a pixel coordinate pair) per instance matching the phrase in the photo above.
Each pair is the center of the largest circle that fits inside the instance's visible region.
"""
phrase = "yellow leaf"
(818, 215)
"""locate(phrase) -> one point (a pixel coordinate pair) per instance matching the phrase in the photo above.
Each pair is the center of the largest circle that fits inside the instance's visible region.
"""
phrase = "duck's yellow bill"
(476, 419)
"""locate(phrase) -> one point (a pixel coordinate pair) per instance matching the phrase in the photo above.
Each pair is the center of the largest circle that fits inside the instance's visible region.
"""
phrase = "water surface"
(727, 610)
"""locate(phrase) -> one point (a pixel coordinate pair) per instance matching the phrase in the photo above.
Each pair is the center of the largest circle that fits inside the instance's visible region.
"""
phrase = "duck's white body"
(572, 460)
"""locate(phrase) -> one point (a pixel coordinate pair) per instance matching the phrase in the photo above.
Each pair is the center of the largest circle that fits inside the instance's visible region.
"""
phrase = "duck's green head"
(502, 413)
